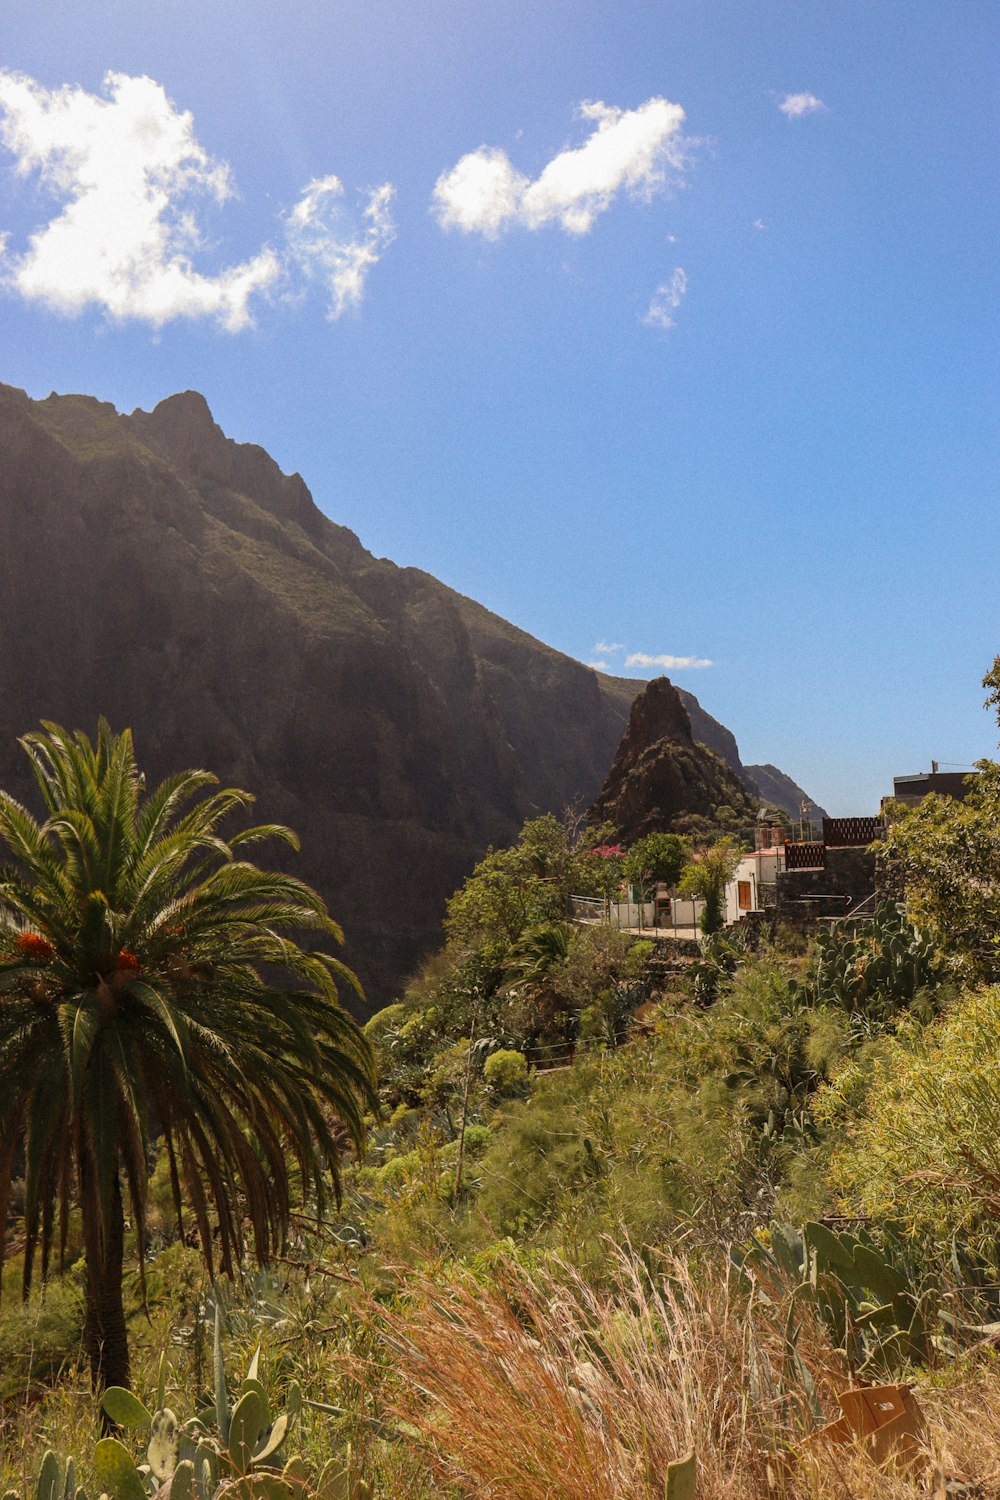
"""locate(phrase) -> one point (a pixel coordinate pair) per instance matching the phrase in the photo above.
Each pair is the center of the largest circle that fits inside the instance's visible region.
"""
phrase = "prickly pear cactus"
(682, 1479)
(164, 1444)
(56, 1479)
(237, 1443)
(116, 1473)
(336, 1481)
(875, 1307)
(877, 969)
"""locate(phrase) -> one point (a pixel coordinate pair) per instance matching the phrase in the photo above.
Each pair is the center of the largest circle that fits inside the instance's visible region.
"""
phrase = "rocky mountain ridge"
(664, 781)
(155, 571)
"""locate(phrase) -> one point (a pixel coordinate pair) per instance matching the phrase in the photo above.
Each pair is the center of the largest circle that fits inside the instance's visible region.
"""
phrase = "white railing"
(636, 916)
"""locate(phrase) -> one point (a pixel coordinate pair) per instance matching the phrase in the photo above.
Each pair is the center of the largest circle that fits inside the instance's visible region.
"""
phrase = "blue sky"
(667, 326)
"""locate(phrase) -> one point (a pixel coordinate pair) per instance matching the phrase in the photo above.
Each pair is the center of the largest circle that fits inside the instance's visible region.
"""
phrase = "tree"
(707, 876)
(538, 955)
(603, 981)
(943, 858)
(992, 681)
(655, 858)
(147, 990)
(511, 889)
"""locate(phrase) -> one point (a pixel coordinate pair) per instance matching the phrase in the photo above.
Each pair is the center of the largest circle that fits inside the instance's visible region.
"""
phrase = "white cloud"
(598, 666)
(638, 151)
(128, 171)
(669, 663)
(666, 300)
(794, 106)
(327, 250)
(608, 648)
(759, 224)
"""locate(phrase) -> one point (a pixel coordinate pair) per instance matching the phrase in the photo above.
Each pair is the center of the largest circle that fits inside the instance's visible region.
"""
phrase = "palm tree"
(149, 994)
(538, 955)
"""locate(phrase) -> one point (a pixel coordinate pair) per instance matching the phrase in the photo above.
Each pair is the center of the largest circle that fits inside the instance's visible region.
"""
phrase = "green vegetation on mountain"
(595, 1224)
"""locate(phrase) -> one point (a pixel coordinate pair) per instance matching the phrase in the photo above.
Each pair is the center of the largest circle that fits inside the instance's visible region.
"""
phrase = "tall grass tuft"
(537, 1386)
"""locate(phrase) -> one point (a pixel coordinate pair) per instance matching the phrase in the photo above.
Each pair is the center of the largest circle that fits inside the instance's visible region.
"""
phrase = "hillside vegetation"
(620, 1201)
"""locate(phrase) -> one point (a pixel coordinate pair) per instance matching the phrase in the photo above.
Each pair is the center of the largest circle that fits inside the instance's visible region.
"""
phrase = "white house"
(753, 885)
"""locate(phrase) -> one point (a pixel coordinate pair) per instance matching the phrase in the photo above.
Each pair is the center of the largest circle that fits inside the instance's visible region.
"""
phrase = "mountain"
(664, 781)
(781, 791)
(155, 571)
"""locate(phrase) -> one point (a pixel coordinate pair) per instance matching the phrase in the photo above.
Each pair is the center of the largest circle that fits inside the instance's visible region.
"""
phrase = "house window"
(744, 897)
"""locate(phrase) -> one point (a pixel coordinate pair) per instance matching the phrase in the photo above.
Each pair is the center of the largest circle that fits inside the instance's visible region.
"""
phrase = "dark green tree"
(148, 991)
(538, 956)
(943, 858)
(655, 858)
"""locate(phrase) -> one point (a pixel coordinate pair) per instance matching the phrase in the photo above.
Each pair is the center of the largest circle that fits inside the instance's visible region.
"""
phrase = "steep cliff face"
(156, 572)
(664, 781)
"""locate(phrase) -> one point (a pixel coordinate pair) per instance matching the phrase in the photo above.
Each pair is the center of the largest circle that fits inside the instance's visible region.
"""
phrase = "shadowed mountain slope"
(155, 571)
(780, 790)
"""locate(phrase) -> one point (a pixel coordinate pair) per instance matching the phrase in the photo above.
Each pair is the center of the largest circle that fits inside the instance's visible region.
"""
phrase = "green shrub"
(390, 1018)
(397, 1170)
(926, 1149)
(506, 1071)
(39, 1337)
(477, 1138)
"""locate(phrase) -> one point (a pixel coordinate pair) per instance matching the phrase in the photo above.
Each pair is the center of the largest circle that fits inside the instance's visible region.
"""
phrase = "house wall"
(913, 789)
(747, 869)
(759, 869)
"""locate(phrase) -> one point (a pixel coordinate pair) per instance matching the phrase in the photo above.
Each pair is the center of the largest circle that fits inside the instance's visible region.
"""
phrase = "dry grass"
(538, 1387)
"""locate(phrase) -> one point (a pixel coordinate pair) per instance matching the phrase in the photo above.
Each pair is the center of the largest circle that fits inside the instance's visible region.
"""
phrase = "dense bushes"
(925, 1145)
(599, 1100)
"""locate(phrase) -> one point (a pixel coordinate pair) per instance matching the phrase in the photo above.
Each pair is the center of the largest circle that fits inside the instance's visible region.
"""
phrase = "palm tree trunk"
(104, 1246)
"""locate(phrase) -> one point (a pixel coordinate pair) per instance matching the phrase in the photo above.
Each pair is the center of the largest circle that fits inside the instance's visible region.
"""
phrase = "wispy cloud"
(666, 300)
(667, 662)
(794, 106)
(129, 173)
(327, 247)
(639, 151)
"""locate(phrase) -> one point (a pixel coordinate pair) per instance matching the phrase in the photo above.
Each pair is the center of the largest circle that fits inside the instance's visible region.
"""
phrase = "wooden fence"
(851, 833)
(805, 856)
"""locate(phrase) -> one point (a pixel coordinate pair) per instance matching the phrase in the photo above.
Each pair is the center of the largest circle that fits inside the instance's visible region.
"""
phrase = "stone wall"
(848, 878)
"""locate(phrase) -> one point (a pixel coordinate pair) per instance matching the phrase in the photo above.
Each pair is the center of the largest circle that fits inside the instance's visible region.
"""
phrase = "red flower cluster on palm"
(127, 962)
(33, 945)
